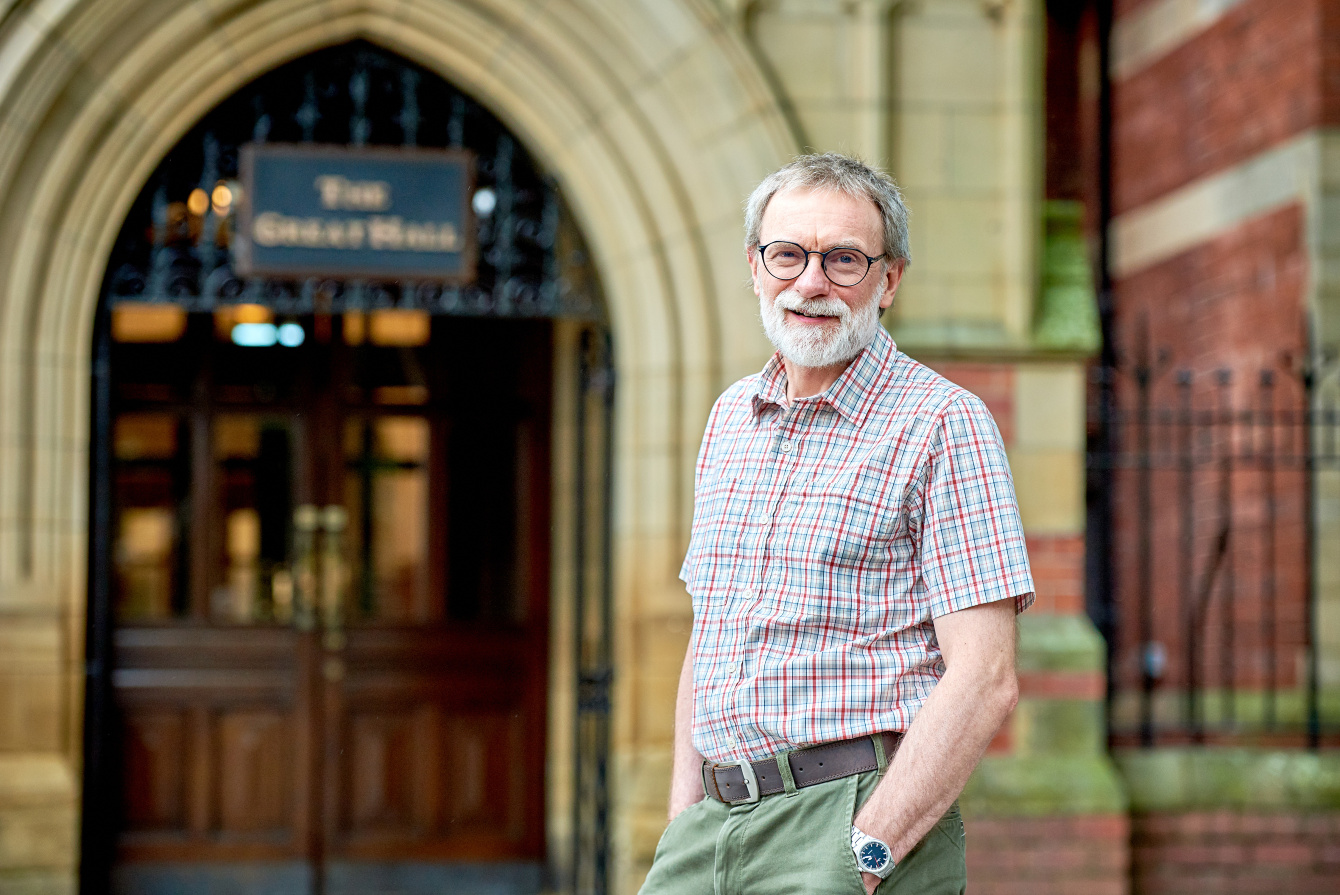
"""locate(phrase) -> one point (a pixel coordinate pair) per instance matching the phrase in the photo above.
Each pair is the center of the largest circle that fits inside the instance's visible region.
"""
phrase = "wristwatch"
(872, 855)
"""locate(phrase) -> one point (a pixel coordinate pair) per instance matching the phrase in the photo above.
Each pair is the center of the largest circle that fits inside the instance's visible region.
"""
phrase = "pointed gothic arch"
(653, 118)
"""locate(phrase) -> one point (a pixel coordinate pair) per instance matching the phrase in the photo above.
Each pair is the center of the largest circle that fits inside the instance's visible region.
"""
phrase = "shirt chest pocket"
(837, 526)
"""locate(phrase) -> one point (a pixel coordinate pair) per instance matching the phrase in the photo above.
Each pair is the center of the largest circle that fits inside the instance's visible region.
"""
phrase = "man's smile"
(820, 317)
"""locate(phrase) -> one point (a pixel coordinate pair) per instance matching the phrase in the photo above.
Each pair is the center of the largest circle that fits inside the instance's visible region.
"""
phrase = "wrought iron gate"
(1208, 589)
(593, 618)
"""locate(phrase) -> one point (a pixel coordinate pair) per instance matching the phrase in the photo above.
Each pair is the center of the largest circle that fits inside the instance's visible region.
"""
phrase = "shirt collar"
(850, 395)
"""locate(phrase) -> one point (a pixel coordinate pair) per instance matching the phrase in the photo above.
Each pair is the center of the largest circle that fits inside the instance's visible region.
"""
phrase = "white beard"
(829, 344)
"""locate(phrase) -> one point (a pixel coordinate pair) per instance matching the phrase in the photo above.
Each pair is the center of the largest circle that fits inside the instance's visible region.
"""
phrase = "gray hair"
(842, 174)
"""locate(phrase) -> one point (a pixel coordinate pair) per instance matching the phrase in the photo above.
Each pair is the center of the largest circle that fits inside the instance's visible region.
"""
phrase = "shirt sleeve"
(700, 468)
(972, 547)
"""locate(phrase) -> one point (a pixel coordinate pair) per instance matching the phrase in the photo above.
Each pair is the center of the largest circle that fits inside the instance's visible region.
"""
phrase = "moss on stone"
(1059, 643)
(1063, 785)
(1067, 316)
(1059, 727)
(1209, 778)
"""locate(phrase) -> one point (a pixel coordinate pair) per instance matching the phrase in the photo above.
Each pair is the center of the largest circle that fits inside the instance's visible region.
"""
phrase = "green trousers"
(796, 843)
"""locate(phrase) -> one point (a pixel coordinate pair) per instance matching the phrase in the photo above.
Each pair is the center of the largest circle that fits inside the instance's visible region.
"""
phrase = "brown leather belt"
(732, 784)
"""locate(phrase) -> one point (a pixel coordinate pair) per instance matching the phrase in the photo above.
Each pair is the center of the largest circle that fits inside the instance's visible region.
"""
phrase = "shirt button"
(786, 447)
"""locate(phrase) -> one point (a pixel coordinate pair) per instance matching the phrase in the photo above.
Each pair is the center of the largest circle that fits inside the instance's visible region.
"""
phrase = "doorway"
(320, 554)
(330, 583)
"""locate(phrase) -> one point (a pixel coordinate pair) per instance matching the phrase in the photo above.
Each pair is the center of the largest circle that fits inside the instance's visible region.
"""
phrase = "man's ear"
(893, 275)
(751, 256)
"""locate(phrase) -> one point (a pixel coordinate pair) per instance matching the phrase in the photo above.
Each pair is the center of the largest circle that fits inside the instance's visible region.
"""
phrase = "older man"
(856, 564)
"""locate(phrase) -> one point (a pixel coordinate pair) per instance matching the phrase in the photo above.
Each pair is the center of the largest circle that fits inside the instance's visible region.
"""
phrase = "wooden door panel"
(486, 797)
(429, 783)
(216, 740)
(154, 770)
(255, 759)
(439, 745)
(389, 775)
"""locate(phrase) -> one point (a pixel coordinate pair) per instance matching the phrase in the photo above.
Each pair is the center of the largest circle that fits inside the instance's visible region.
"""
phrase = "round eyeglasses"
(844, 266)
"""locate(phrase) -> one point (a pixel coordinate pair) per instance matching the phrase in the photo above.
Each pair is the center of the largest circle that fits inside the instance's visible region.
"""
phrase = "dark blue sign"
(379, 213)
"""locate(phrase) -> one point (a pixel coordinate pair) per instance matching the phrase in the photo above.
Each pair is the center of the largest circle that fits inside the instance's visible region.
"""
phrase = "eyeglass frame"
(823, 261)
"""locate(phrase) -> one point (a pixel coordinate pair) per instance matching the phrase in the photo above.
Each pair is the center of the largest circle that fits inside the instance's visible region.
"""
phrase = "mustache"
(813, 307)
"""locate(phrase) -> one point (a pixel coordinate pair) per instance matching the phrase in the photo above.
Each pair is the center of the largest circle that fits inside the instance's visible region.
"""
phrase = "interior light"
(148, 322)
(355, 327)
(198, 202)
(484, 201)
(222, 199)
(399, 327)
(251, 313)
(255, 335)
(291, 335)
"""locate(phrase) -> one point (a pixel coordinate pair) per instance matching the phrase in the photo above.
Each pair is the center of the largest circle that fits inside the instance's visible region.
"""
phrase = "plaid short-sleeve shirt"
(828, 534)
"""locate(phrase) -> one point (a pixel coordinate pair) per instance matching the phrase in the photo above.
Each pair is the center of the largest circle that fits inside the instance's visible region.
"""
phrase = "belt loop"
(880, 758)
(704, 771)
(784, 767)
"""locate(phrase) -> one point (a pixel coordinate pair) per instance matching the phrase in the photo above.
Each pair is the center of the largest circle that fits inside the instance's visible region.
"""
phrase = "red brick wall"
(1233, 302)
(1250, 81)
(1209, 853)
(1058, 573)
(1087, 855)
(1330, 61)
(993, 383)
(1217, 853)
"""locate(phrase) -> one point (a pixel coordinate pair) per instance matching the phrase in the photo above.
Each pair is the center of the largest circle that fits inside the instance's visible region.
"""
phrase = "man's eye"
(844, 257)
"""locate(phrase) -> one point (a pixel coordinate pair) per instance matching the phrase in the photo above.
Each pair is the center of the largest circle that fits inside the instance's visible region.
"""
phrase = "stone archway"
(652, 116)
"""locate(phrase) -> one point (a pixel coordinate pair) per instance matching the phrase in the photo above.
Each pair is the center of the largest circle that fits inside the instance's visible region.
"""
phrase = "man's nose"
(812, 281)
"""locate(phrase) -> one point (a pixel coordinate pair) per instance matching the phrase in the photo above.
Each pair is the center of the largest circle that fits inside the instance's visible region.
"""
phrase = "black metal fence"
(593, 617)
(1214, 534)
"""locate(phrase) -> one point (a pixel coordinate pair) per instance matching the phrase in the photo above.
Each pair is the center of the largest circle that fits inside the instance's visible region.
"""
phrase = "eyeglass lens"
(786, 261)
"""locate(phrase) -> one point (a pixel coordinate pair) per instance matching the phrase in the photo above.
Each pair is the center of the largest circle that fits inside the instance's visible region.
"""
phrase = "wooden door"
(331, 572)
(434, 688)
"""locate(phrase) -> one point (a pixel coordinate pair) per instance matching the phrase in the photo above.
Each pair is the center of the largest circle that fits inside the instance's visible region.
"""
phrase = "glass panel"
(387, 495)
(400, 394)
(253, 461)
(141, 436)
(392, 365)
(149, 478)
(242, 544)
(144, 552)
(487, 509)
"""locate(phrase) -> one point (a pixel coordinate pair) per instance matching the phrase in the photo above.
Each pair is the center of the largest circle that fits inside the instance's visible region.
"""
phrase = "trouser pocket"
(856, 798)
(935, 866)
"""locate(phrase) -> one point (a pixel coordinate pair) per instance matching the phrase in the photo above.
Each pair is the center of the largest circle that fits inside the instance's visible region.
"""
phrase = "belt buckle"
(750, 781)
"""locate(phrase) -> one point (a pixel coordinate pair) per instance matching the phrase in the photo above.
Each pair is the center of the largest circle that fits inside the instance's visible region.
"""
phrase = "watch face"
(873, 856)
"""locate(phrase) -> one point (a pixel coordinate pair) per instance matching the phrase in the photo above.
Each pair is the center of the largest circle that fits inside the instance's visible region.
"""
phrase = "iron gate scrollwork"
(175, 246)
